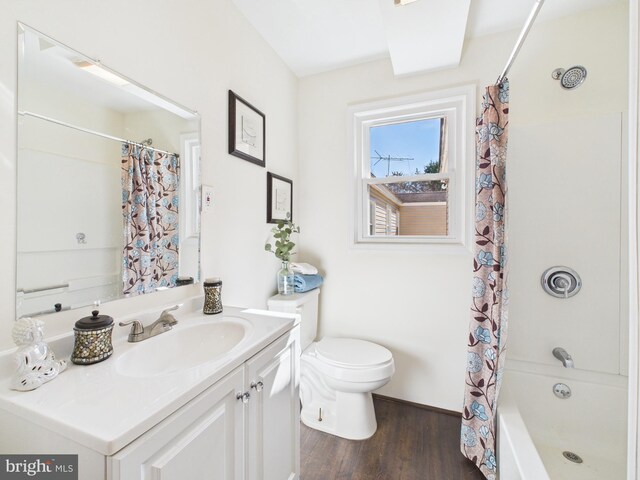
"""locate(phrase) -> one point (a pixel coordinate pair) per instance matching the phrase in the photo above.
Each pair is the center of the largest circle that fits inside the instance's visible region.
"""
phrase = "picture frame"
(247, 131)
(279, 198)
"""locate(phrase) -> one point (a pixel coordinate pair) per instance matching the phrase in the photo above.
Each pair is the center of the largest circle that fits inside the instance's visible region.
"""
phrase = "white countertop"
(99, 407)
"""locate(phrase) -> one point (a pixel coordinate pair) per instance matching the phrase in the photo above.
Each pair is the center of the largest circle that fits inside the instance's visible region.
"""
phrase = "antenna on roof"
(389, 159)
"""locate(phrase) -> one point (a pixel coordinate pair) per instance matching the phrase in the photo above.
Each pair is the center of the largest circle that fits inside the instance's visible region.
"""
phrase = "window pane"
(409, 208)
(407, 148)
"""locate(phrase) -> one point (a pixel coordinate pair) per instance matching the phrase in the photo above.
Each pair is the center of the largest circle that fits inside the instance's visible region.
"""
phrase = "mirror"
(108, 189)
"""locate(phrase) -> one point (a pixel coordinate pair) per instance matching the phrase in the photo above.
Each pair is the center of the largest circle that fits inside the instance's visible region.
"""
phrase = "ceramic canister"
(93, 339)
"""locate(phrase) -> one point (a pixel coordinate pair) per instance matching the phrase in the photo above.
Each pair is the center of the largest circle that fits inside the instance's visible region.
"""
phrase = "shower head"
(570, 78)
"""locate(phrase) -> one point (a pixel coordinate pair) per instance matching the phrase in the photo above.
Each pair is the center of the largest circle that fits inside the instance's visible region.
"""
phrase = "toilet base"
(350, 415)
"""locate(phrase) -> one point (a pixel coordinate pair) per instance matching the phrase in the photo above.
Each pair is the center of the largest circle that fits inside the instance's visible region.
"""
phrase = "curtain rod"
(92, 132)
(520, 41)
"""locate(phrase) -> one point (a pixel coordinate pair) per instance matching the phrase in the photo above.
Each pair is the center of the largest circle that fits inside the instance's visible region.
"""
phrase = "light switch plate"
(207, 197)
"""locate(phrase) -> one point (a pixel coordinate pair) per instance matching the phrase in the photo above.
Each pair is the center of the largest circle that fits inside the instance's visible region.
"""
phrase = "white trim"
(427, 177)
(633, 420)
(189, 185)
(458, 105)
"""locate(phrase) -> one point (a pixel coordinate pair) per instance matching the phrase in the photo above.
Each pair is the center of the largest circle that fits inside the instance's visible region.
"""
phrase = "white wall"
(193, 52)
(418, 304)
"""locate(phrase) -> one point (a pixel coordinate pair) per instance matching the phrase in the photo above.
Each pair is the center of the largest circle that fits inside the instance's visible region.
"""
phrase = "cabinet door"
(203, 440)
(273, 426)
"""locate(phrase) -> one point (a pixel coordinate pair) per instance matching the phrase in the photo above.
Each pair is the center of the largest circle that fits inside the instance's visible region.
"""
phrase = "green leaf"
(267, 247)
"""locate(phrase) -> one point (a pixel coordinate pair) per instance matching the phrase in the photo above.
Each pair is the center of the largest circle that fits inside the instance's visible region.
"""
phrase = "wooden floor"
(411, 443)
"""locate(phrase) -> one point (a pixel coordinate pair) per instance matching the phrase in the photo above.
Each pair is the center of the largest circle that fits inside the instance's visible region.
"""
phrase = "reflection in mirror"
(107, 183)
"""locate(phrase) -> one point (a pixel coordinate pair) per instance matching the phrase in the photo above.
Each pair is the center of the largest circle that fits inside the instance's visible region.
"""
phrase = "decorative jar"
(92, 339)
(212, 296)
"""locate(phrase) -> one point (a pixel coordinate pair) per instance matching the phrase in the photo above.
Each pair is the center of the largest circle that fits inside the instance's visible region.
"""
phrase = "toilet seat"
(352, 353)
(350, 360)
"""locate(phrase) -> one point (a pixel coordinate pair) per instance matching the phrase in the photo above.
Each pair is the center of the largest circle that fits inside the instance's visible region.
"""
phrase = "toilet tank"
(305, 304)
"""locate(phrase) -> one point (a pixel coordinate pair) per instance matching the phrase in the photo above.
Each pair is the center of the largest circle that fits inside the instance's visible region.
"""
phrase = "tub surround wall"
(581, 227)
(417, 304)
(192, 52)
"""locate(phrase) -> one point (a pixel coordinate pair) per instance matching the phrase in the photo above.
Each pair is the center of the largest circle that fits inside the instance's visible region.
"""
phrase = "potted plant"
(283, 249)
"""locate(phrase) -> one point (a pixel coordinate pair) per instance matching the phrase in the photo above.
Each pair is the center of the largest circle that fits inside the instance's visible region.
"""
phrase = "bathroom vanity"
(215, 397)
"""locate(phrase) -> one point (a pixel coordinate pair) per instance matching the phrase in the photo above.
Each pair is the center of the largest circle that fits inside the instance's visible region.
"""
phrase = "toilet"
(337, 375)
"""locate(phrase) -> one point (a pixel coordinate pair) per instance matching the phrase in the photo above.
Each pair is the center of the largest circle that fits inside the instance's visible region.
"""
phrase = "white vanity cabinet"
(273, 421)
(223, 433)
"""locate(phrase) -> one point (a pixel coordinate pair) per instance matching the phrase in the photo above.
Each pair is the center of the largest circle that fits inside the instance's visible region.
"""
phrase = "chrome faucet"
(164, 323)
(562, 355)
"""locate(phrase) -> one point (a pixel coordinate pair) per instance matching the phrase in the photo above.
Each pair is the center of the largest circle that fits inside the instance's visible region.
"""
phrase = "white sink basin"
(184, 347)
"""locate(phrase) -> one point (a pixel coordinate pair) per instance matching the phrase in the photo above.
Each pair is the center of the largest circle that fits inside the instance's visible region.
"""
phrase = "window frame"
(190, 185)
(457, 104)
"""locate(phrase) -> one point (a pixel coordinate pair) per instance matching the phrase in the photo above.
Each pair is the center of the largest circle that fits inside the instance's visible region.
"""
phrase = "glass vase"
(285, 279)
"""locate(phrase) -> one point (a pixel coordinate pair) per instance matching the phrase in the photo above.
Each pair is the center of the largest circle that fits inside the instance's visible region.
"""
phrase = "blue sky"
(419, 140)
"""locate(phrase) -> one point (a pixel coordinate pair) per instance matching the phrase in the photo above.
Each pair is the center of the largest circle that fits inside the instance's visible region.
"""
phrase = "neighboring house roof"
(411, 197)
(422, 197)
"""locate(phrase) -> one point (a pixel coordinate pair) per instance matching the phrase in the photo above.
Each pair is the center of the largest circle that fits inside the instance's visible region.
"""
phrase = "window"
(412, 172)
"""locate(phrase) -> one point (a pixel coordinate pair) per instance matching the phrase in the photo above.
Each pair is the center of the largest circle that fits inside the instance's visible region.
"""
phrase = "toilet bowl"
(337, 375)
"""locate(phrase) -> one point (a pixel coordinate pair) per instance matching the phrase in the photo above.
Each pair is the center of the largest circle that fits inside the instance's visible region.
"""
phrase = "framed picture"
(279, 198)
(246, 130)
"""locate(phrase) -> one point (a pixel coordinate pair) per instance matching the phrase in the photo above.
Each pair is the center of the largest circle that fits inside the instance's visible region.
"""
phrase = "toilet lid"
(352, 352)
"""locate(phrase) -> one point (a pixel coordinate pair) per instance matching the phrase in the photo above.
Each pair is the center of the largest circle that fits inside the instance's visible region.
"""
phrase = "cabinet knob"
(258, 386)
(244, 397)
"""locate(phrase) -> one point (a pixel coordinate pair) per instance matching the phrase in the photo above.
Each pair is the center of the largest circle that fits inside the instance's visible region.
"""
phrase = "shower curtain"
(488, 323)
(150, 198)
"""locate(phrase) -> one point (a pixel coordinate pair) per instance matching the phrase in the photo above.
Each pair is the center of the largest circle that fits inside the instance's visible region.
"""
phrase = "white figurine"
(35, 360)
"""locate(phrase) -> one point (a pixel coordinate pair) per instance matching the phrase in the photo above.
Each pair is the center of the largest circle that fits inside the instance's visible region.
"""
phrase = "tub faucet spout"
(562, 355)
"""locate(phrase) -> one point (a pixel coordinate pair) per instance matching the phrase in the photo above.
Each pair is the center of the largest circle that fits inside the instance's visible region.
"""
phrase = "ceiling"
(314, 36)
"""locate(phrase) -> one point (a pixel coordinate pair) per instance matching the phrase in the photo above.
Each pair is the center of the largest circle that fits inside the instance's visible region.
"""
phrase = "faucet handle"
(166, 312)
(136, 329)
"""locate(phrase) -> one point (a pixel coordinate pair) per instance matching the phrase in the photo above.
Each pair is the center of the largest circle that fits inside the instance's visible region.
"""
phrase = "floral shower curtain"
(488, 324)
(150, 198)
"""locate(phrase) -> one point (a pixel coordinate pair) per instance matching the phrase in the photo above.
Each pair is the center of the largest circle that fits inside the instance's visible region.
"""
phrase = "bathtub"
(535, 427)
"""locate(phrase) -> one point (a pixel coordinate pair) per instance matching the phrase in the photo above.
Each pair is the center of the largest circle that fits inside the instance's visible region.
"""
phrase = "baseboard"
(418, 405)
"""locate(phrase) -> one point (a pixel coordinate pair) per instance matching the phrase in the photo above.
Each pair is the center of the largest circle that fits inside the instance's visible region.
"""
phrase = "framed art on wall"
(246, 130)
(279, 198)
